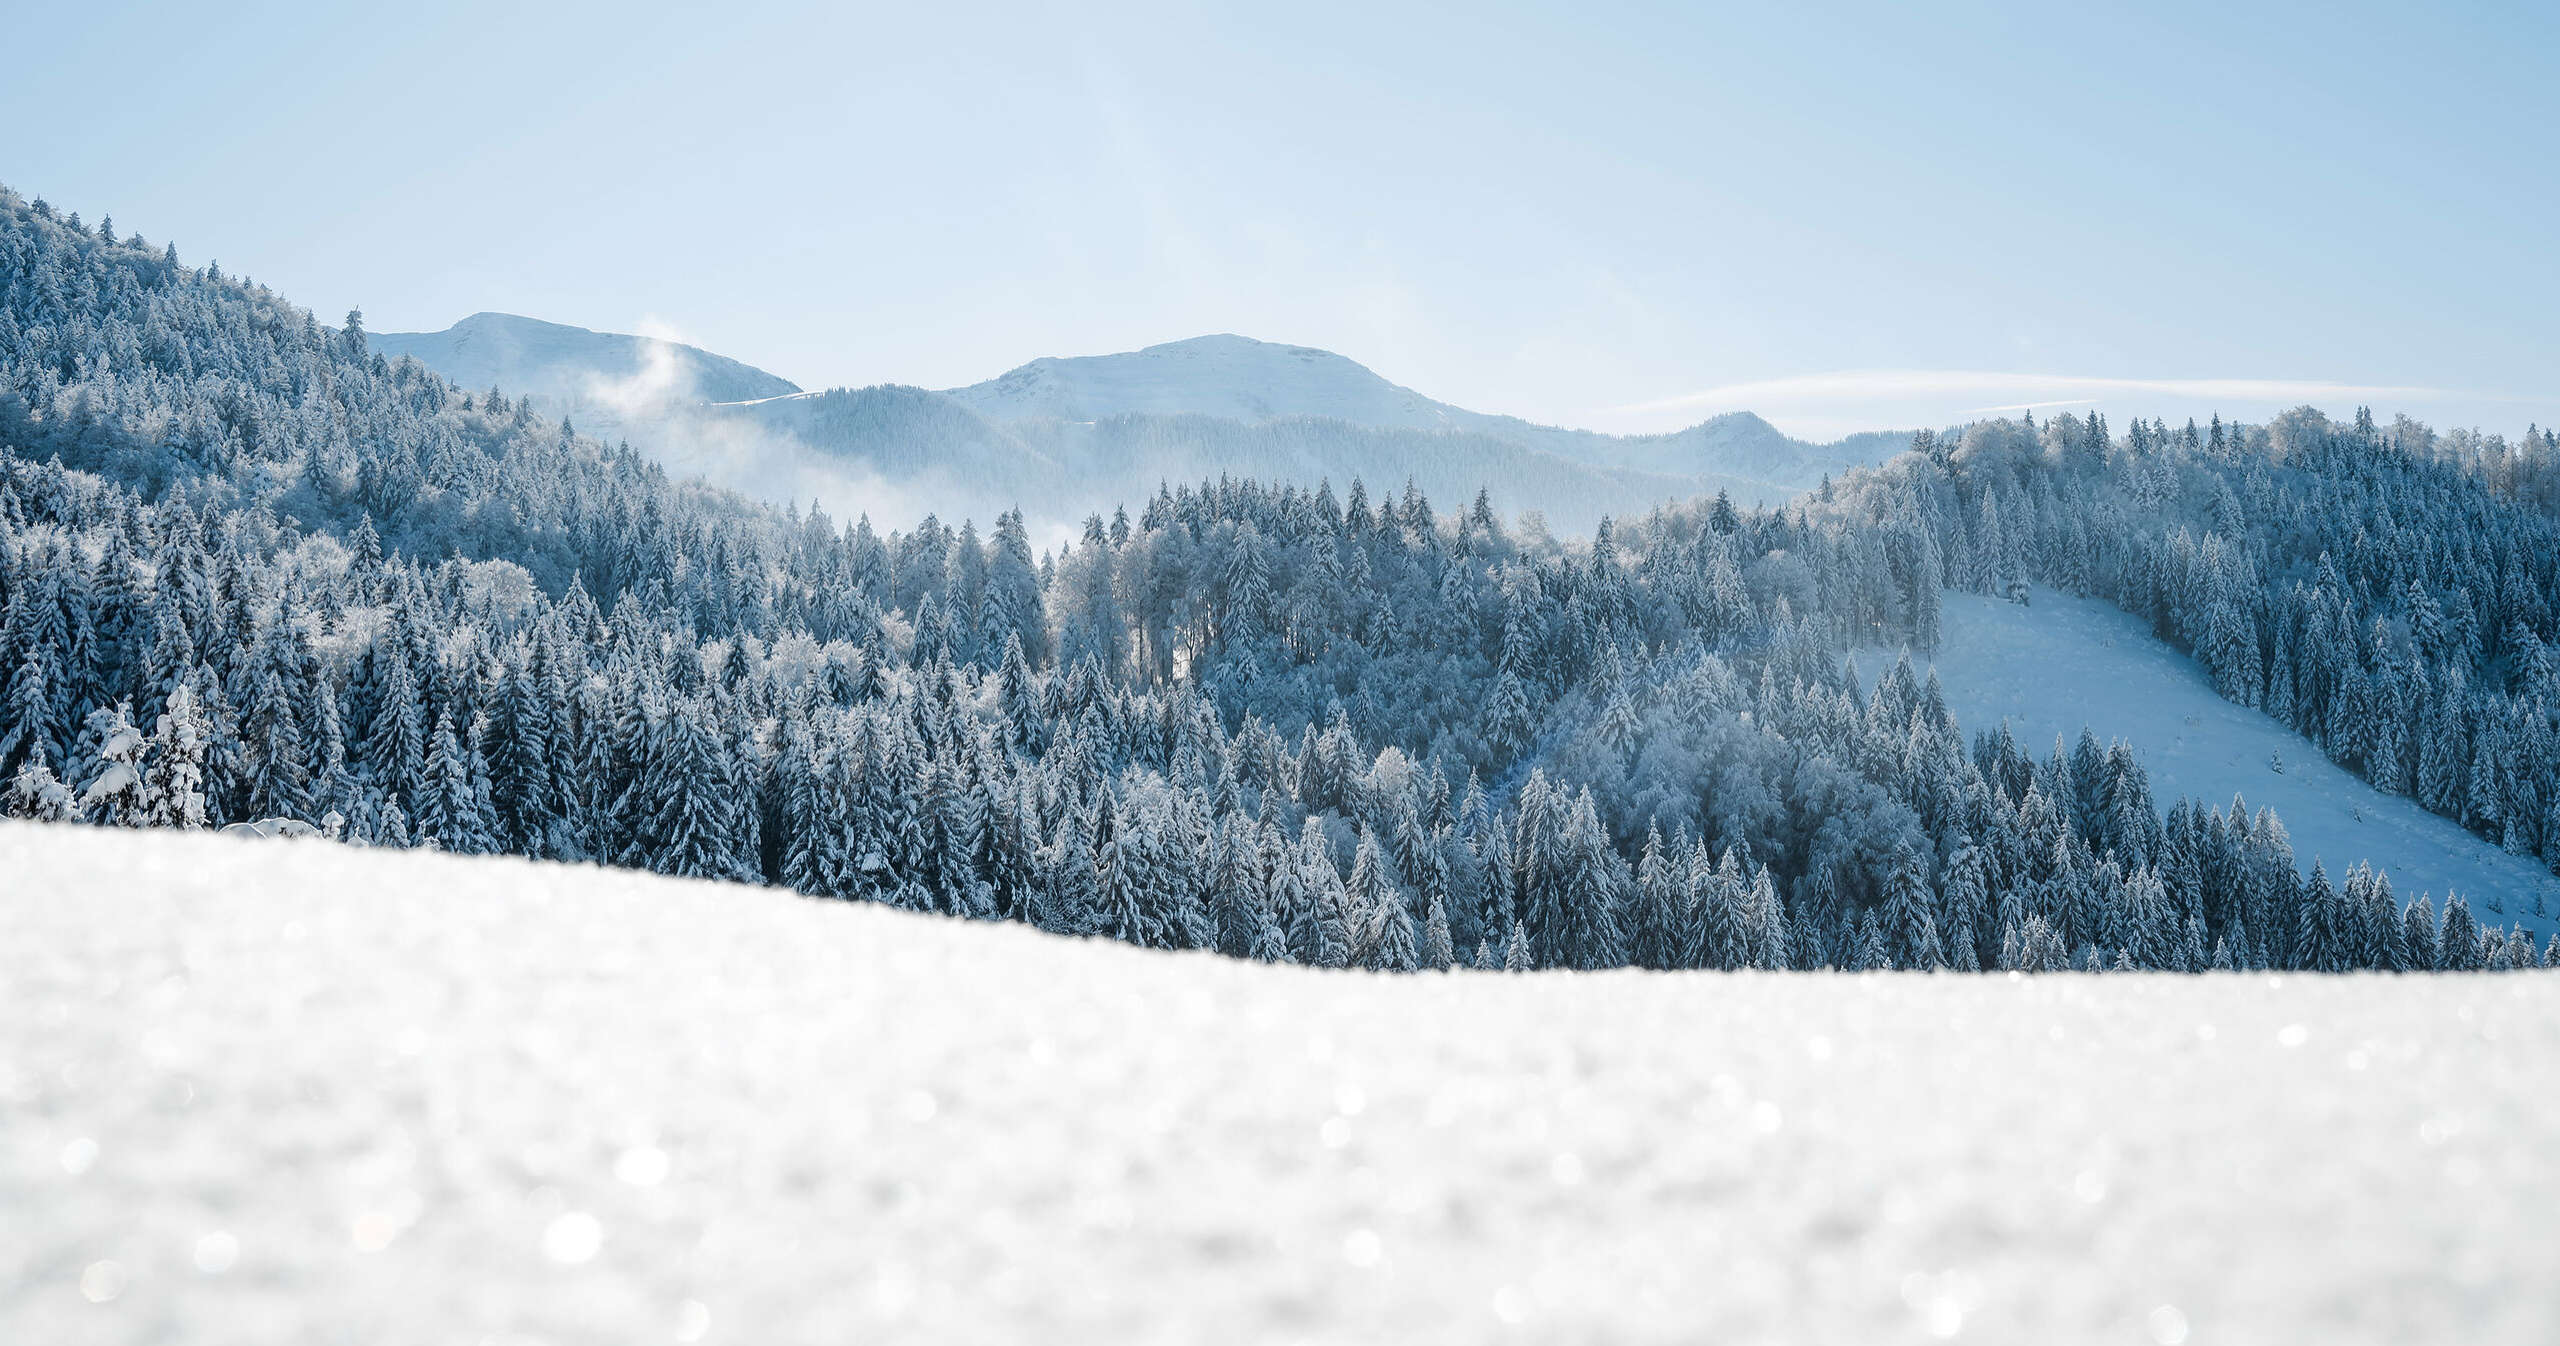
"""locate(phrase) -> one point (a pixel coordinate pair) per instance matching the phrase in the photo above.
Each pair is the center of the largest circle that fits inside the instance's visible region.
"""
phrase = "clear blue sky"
(1606, 215)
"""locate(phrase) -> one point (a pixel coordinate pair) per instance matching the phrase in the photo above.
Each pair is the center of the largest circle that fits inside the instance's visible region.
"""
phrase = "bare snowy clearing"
(264, 1091)
(2066, 662)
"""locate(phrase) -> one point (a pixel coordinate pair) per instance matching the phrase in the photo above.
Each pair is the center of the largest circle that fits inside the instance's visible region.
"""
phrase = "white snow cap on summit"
(1224, 375)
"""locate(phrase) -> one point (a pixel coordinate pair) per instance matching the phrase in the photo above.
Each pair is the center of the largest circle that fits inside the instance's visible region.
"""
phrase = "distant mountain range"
(1241, 379)
(1065, 436)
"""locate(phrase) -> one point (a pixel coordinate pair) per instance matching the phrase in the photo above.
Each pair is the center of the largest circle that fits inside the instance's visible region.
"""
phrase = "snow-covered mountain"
(1062, 437)
(1238, 378)
(1231, 377)
(574, 368)
(288, 1091)
(923, 451)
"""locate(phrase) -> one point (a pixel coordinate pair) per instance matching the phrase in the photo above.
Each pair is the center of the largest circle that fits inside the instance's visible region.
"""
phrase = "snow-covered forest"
(251, 569)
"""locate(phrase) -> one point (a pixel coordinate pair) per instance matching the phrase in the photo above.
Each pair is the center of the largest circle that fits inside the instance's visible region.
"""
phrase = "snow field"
(2065, 662)
(267, 1091)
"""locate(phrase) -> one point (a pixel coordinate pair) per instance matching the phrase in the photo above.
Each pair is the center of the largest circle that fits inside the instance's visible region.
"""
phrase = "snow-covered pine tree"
(1070, 900)
(2154, 938)
(172, 793)
(447, 816)
(35, 794)
(1725, 940)
(1437, 953)
(1658, 897)
(1909, 931)
(1383, 935)
(2418, 931)
(2325, 938)
(1329, 937)
(1868, 950)
(2458, 942)
(693, 804)
(278, 775)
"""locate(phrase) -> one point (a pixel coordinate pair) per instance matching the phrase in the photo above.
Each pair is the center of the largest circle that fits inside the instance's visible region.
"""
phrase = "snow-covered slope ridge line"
(261, 1091)
(2061, 664)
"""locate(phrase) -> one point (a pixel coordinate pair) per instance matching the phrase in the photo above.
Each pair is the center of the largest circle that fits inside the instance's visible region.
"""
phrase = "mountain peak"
(1220, 374)
(1230, 342)
(487, 319)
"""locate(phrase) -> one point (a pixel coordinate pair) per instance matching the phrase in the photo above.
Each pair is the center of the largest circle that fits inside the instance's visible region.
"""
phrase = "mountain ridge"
(1266, 380)
(1079, 433)
(1253, 385)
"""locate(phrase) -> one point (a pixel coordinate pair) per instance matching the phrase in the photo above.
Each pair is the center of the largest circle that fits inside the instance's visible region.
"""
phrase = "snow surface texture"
(2065, 662)
(278, 1091)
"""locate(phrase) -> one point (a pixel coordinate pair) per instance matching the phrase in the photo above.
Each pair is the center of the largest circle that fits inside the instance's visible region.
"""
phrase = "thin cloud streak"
(1870, 385)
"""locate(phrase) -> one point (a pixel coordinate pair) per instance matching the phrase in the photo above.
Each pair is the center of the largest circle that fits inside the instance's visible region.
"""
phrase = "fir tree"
(2418, 930)
(1655, 917)
(1437, 953)
(35, 794)
(172, 793)
(692, 805)
(447, 811)
(1383, 937)
(1912, 942)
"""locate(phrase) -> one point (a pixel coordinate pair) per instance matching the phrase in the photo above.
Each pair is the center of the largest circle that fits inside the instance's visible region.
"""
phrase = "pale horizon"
(1813, 406)
(1607, 219)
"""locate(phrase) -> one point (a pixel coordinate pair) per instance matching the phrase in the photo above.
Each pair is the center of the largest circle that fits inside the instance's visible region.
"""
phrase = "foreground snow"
(2066, 662)
(267, 1091)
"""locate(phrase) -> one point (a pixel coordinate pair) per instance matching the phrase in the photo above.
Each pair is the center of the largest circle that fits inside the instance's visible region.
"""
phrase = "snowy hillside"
(273, 1091)
(573, 368)
(2064, 663)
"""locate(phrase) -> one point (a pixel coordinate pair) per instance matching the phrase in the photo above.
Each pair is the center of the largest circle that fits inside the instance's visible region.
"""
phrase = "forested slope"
(2388, 594)
(2066, 667)
(250, 569)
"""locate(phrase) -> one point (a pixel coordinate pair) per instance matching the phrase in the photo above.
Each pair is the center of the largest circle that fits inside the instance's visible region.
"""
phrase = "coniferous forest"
(253, 572)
